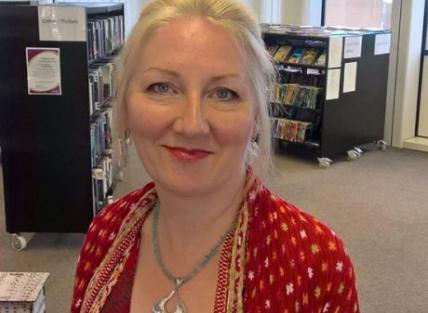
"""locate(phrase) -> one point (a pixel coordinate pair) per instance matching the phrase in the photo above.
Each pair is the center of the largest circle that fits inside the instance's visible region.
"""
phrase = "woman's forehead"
(193, 41)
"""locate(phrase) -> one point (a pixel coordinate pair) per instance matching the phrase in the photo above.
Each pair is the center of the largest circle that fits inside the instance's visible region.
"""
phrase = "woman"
(206, 236)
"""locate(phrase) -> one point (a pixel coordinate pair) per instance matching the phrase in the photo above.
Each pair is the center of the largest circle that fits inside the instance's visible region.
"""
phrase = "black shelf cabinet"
(355, 118)
(45, 139)
(358, 118)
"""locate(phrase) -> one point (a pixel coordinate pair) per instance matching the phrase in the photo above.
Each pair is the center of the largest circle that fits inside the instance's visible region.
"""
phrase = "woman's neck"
(190, 221)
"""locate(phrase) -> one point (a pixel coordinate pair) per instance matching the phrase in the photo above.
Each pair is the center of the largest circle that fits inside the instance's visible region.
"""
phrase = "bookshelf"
(58, 169)
(331, 97)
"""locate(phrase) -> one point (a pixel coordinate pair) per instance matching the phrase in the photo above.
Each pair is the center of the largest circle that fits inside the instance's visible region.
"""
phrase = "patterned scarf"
(279, 259)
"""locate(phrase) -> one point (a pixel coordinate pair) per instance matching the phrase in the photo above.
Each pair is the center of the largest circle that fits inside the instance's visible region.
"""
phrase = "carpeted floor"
(378, 204)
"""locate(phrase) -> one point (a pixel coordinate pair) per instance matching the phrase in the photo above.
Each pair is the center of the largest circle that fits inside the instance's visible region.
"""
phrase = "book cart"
(56, 116)
(331, 94)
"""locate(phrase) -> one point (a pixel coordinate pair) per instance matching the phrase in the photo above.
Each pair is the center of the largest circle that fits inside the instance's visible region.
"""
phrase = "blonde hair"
(244, 28)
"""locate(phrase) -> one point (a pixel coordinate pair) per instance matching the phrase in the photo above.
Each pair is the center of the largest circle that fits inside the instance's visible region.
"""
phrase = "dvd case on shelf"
(296, 55)
(310, 56)
(282, 53)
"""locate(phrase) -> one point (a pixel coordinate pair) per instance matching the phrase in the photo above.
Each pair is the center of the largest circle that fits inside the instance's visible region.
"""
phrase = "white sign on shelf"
(350, 77)
(62, 23)
(333, 84)
(353, 45)
(382, 44)
(43, 71)
(335, 51)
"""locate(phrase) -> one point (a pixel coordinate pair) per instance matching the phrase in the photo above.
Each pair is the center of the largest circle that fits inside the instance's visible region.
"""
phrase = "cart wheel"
(354, 154)
(18, 242)
(381, 145)
(324, 162)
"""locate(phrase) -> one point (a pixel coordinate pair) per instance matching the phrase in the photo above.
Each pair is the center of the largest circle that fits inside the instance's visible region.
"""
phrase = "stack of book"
(102, 182)
(104, 36)
(22, 292)
(306, 97)
(103, 171)
(298, 76)
(101, 136)
(290, 130)
(100, 85)
(298, 55)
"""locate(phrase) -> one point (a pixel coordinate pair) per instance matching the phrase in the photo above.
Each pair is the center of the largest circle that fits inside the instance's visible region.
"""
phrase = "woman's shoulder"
(292, 219)
(298, 236)
(302, 252)
(100, 237)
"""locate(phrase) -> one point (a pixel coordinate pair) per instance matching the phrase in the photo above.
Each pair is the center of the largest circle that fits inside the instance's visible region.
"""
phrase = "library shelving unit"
(55, 117)
(331, 94)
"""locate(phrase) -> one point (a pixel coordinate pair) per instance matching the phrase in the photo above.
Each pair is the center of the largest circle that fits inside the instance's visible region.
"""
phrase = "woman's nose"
(192, 119)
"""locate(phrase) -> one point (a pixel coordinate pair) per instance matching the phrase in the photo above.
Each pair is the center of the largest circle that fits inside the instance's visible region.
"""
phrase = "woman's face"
(190, 107)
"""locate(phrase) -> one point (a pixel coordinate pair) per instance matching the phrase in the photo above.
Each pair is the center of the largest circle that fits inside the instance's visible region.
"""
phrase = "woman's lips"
(184, 154)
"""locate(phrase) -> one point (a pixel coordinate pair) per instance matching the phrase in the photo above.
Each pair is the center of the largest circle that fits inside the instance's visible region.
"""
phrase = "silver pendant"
(160, 305)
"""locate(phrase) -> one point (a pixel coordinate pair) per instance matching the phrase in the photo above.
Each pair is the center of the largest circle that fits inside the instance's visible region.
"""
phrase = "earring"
(255, 139)
(127, 136)
(254, 146)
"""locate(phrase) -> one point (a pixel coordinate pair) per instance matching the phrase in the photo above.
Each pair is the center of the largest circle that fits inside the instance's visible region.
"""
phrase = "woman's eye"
(160, 88)
(225, 94)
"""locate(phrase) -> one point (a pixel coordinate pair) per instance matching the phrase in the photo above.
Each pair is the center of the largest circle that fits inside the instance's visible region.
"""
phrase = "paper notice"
(335, 51)
(62, 23)
(382, 44)
(350, 77)
(353, 47)
(333, 84)
(43, 71)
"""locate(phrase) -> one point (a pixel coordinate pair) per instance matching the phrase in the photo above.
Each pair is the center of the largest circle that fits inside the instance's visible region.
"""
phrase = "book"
(282, 53)
(297, 76)
(272, 50)
(310, 56)
(296, 56)
(102, 182)
(100, 80)
(291, 130)
(22, 292)
(321, 61)
(104, 36)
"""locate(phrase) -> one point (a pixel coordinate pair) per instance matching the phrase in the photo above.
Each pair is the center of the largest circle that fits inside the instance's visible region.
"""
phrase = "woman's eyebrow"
(221, 77)
(158, 69)
(175, 74)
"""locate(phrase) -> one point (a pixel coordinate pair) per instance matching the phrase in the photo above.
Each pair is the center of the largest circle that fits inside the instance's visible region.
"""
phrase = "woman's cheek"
(144, 119)
(235, 130)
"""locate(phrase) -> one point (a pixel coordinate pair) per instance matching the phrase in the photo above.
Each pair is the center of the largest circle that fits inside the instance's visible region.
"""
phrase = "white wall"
(132, 12)
(409, 57)
(423, 111)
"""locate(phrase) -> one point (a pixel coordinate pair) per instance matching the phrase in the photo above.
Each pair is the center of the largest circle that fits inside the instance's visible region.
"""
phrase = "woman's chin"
(187, 187)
